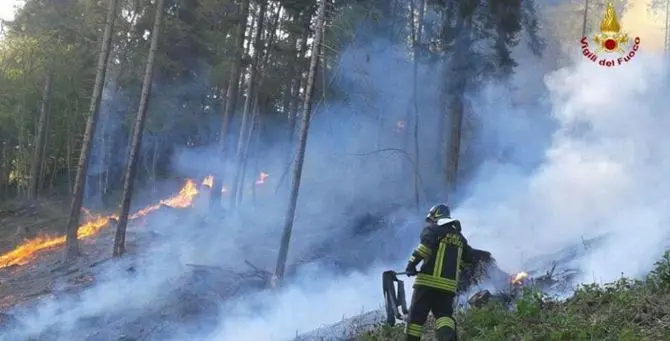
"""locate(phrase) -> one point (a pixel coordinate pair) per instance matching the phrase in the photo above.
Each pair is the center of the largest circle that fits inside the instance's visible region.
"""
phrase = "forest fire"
(30, 249)
(209, 183)
(261, 178)
(519, 278)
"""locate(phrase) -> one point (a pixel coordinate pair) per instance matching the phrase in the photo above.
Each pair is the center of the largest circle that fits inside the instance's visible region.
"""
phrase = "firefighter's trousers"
(441, 304)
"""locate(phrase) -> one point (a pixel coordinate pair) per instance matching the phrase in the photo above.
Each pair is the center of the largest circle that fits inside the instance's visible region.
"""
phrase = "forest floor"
(626, 310)
(43, 273)
(21, 220)
(30, 271)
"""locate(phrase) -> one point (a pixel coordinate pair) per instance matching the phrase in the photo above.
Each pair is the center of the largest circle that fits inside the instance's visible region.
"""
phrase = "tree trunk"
(154, 165)
(248, 101)
(300, 81)
(455, 105)
(323, 64)
(70, 143)
(4, 168)
(266, 54)
(394, 8)
(258, 131)
(417, 54)
(40, 140)
(419, 31)
(44, 164)
(102, 138)
(72, 245)
(290, 79)
(131, 163)
(230, 103)
(456, 108)
(245, 153)
(297, 84)
(302, 144)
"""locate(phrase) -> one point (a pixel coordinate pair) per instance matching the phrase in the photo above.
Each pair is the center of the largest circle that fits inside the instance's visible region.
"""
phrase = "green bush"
(624, 310)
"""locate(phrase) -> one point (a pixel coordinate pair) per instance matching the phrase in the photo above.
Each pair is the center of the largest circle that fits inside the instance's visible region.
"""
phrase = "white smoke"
(603, 174)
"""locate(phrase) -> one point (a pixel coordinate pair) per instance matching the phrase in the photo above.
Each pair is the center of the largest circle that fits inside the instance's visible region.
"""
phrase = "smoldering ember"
(225, 170)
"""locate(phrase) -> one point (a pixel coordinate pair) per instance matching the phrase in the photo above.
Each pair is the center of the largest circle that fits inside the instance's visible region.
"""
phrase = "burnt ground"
(192, 298)
(21, 220)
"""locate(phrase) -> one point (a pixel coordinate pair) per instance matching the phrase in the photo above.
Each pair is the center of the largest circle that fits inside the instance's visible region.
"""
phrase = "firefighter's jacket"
(443, 250)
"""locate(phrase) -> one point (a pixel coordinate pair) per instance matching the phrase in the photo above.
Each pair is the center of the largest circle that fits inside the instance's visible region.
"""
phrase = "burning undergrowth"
(188, 274)
(33, 273)
(189, 291)
(94, 223)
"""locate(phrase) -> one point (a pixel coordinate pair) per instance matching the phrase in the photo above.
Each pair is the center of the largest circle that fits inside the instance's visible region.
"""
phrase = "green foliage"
(43, 39)
(195, 58)
(660, 276)
(626, 309)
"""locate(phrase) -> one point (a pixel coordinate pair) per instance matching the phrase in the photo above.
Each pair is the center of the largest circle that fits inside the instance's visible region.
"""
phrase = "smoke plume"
(575, 154)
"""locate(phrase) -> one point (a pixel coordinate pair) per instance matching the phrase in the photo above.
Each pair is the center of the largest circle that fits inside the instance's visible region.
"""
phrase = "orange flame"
(519, 278)
(208, 181)
(29, 250)
(261, 178)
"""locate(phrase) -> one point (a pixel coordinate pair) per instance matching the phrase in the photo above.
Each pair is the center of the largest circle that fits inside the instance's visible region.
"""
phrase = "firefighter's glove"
(410, 270)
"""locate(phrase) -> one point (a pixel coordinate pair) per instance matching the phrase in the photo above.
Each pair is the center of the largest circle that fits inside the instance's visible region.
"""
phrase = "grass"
(625, 310)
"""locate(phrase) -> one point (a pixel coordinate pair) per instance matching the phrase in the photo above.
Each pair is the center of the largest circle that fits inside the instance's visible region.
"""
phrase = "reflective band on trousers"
(414, 329)
(436, 282)
(445, 322)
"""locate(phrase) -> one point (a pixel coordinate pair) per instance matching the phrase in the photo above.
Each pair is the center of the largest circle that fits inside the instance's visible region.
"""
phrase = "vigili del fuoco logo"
(610, 47)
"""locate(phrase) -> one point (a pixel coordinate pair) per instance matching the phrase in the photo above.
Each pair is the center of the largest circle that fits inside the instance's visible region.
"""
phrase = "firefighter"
(443, 249)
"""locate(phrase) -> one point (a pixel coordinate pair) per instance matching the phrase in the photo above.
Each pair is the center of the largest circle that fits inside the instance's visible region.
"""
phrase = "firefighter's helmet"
(438, 211)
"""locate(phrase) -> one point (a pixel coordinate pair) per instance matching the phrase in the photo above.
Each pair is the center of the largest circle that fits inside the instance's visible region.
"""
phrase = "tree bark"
(72, 245)
(266, 54)
(40, 140)
(131, 166)
(247, 143)
(70, 142)
(456, 106)
(297, 84)
(302, 144)
(394, 7)
(230, 103)
(248, 101)
(290, 79)
(4, 168)
(415, 74)
(300, 82)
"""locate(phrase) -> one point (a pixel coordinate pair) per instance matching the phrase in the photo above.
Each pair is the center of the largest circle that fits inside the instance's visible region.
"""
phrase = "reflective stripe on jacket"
(442, 249)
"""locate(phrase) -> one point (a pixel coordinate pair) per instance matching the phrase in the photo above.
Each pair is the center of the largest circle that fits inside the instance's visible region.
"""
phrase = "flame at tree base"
(30, 249)
(519, 278)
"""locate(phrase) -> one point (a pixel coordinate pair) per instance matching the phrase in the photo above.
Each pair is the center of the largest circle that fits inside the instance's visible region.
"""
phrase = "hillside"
(624, 310)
